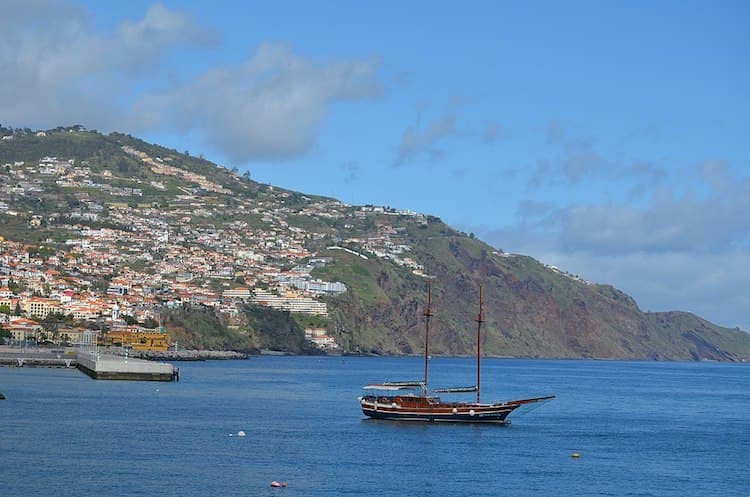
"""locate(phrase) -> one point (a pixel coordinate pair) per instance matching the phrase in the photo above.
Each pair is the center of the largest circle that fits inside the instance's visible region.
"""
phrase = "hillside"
(531, 311)
(90, 213)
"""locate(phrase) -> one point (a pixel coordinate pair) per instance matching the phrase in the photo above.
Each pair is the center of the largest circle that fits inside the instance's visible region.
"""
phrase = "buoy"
(575, 455)
(471, 412)
(230, 435)
(455, 411)
(240, 433)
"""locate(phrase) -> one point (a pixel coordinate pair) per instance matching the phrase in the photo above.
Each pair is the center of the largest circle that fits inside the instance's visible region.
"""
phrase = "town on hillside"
(121, 259)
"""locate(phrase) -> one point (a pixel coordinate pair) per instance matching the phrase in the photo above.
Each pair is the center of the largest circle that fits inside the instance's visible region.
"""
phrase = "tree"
(51, 325)
(130, 320)
(5, 309)
(17, 311)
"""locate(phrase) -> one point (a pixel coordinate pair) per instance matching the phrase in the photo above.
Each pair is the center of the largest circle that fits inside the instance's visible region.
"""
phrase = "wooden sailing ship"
(412, 400)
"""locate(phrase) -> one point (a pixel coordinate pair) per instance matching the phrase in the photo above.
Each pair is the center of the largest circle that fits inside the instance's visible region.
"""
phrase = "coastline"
(67, 357)
(187, 355)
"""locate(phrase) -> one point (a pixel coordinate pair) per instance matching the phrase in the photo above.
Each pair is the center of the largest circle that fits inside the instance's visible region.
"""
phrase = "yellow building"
(140, 340)
(39, 306)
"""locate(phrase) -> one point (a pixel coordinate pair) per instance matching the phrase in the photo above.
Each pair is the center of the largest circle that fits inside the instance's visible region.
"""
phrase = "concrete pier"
(93, 361)
(36, 358)
(113, 367)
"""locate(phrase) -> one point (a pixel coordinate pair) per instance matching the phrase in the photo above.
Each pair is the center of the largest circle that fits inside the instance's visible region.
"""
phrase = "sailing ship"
(412, 400)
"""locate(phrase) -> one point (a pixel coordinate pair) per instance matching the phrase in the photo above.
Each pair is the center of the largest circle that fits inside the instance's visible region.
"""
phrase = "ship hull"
(431, 416)
(430, 409)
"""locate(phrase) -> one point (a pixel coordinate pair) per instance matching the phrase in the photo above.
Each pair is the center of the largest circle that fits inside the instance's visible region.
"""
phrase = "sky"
(609, 139)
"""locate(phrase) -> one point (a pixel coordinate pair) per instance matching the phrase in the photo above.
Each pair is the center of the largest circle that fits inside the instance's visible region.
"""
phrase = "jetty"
(93, 361)
(36, 358)
(115, 367)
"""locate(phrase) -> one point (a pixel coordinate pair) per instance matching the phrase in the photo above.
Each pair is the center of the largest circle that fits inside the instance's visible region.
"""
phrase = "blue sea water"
(641, 429)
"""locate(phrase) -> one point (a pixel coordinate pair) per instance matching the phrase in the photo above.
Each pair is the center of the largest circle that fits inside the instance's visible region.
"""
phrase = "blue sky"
(606, 138)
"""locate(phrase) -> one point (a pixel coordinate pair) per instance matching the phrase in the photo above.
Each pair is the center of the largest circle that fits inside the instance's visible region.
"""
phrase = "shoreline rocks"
(189, 355)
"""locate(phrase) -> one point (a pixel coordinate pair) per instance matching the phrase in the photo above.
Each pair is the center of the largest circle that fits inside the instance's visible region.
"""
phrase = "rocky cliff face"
(530, 310)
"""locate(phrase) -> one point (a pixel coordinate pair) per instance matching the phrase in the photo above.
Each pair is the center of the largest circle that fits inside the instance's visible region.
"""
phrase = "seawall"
(36, 358)
(112, 367)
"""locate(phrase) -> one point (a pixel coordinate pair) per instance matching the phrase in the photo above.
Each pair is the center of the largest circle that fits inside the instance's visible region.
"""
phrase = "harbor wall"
(111, 367)
(33, 358)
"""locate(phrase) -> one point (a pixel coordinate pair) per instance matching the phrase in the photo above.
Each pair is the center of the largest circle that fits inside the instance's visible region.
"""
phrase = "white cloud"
(268, 108)
(143, 41)
(417, 141)
(691, 222)
(581, 160)
(42, 59)
(161, 27)
(57, 69)
(679, 251)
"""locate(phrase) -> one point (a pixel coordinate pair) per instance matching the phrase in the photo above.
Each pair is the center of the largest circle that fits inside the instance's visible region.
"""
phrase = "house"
(319, 337)
(22, 329)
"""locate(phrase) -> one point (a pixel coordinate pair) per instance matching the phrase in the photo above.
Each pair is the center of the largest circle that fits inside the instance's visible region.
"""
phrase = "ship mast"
(427, 316)
(479, 342)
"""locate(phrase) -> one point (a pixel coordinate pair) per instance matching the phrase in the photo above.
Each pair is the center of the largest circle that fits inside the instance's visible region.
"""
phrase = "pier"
(91, 360)
(114, 367)
(36, 358)
(100, 365)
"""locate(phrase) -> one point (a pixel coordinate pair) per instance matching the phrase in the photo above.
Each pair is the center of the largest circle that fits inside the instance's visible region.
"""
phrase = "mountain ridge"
(385, 257)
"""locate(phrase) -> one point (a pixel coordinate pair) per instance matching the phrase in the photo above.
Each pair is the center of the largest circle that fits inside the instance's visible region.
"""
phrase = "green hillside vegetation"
(276, 330)
(196, 327)
(259, 328)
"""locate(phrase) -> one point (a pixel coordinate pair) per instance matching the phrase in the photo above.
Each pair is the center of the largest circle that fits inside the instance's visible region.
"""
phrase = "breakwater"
(112, 367)
(188, 355)
(99, 365)
(37, 358)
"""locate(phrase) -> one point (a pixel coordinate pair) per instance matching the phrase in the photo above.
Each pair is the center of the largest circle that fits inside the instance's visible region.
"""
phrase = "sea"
(638, 428)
